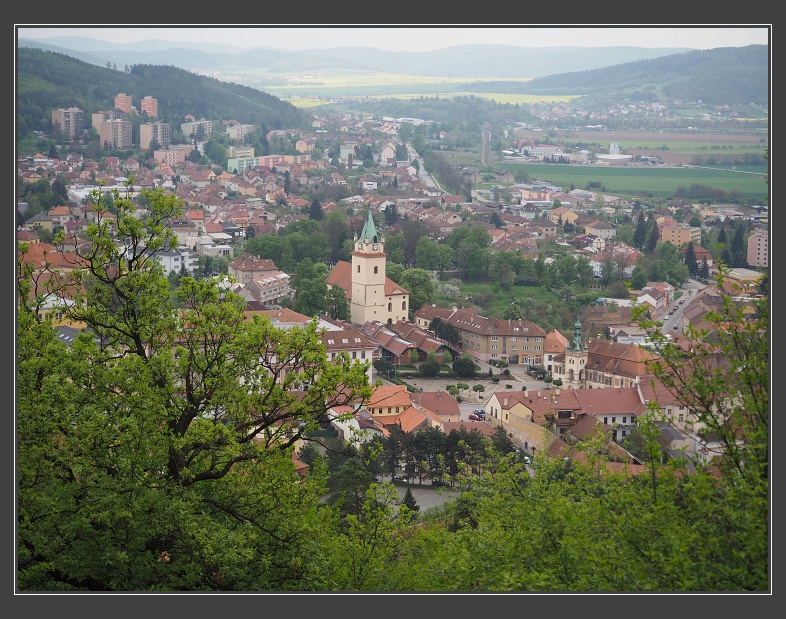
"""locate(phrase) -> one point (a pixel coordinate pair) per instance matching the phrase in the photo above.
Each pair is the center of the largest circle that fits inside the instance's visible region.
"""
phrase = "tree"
(640, 235)
(337, 304)
(464, 366)
(154, 452)
(690, 260)
(420, 285)
(315, 211)
(409, 501)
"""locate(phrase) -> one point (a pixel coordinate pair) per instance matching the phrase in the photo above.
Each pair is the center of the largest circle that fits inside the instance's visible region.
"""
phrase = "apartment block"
(158, 132)
(115, 134)
(70, 121)
(149, 106)
(190, 129)
(123, 103)
(759, 249)
(105, 116)
(680, 234)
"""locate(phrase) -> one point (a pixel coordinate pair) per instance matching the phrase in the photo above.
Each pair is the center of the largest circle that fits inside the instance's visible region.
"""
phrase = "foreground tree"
(154, 453)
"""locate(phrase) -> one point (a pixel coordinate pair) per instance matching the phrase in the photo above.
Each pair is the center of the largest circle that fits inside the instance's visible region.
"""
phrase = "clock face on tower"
(375, 246)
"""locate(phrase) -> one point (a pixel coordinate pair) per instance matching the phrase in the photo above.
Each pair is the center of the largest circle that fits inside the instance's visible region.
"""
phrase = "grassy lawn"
(492, 302)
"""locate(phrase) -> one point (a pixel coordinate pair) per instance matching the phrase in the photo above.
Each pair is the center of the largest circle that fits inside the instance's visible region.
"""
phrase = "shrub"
(495, 379)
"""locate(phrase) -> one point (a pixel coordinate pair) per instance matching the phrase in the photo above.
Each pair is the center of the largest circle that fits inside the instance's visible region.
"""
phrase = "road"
(690, 289)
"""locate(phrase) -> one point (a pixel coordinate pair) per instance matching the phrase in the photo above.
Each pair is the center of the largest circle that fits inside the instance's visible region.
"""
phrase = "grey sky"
(422, 38)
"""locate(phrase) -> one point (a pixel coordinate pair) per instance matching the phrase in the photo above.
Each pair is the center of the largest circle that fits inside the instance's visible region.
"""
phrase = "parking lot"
(472, 400)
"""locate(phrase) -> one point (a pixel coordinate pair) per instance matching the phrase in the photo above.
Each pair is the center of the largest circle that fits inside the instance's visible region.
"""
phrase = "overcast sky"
(424, 38)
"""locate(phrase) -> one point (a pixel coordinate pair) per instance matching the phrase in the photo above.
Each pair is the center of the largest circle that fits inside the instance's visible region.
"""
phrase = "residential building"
(155, 132)
(759, 250)
(115, 134)
(149, 106)
(123, 103)
(246, 268)
(268, 290)
(189, 129)
(679, 234)
(69, 121)
(516, 341)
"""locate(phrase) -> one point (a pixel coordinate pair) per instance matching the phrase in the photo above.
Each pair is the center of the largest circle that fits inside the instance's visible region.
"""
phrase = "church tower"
(368, 300)
(576, 359)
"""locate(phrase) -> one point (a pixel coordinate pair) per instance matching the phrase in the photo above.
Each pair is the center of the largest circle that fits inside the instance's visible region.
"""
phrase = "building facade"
(759, 250)
(123, 103)
(149, 106)
(70, 121)
(115, 134)
(158, 132)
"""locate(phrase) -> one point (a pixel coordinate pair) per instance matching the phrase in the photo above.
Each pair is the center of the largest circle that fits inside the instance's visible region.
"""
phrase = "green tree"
(464, 366)
(640, 235)
(690, 260)
(315, 211)
(337, 304)
(420, 285)
(154, 452)
(409, 501)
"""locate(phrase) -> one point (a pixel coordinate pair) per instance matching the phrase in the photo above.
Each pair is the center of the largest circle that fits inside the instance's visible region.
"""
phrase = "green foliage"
(464, 367)
(154, 452)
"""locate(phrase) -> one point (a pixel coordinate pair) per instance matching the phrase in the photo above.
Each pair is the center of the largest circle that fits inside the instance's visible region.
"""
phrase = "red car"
(473, 417)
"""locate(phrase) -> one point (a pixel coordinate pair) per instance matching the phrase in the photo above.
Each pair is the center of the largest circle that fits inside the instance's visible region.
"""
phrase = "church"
(371, 294)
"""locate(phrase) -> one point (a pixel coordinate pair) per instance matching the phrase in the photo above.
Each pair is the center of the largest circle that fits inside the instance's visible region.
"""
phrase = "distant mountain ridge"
(504, 61)
(720, 76)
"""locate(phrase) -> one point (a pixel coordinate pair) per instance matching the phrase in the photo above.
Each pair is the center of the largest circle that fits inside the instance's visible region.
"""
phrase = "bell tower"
(368, 276)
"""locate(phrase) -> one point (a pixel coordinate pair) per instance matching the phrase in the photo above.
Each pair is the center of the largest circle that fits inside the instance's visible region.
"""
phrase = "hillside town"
(606, 356)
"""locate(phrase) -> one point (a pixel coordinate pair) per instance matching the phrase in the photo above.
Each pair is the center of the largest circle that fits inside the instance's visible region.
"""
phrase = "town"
(374, 245)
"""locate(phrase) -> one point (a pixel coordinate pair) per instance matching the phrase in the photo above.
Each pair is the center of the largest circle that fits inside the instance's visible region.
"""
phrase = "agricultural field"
(650, 180)
(310, 91)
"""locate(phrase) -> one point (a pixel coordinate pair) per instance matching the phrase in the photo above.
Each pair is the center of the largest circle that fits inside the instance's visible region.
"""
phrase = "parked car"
(474, 417)
(439, 482)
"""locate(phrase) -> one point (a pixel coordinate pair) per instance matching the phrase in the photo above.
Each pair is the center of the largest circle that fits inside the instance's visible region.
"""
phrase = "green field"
(749, 182)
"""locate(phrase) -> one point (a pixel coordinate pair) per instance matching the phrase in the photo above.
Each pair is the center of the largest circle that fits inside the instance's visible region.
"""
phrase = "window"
(606, 420)
(358, 268)
(376, 270)
(613, 420)
(563, 415)
(624, 420)
(680, 417)
(404, 305)
(514, 339)
(354, 354)
(390, 307)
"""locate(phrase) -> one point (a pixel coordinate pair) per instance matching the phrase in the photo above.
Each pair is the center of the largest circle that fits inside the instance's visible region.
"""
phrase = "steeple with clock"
(368, 300)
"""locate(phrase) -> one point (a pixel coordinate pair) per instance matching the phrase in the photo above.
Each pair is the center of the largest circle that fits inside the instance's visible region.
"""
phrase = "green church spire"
(575, 345)
(369, 232)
